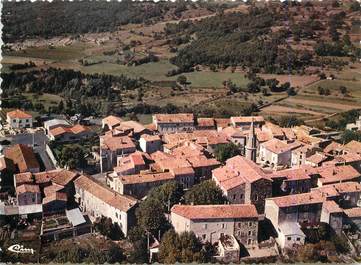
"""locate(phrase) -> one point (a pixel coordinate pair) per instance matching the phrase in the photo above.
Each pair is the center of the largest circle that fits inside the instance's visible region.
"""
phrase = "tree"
(61, 107)
(289, 121)
(355, 6)
(72, 156)
(168, 194)
(109, 229)
(291, 91)
(272, 84)
(348, 136)
(150, 216)
(182, 80)
(320, 90)
(226, 151)
(343, 90)
(253, 87)
(206, 192)
(183, 248)
(115, 254)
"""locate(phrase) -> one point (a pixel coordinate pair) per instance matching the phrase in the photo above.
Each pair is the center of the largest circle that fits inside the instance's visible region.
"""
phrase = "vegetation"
(77, 254)
(168, 194)
(79, 90)
(70, 156)
(226, 151)
(207, 192)
(106, 227)
(183, 248)
(342, 121)
(348, 136)
(30, 20)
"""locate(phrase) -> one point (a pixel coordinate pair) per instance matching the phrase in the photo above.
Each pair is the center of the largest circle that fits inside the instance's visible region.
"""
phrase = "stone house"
(245, 122)
(19, 119)
(212, 222)
(23, 158)
(27, 194)
(288, 213)
(276, 152)
(243, 181)
(98, 201)
(112, 146)
(171, 123)
(110, 122)
(150, 143)
(70, 134)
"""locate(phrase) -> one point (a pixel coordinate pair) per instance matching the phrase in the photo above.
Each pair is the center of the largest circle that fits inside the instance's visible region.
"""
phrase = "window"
(205, 226)
(234, 196)
(298, 239)
(204, 236)
(116, 215)
(241, 196)
(249, 233)
(239, 225)
(289, 238)
(223, 225)
(249, 223)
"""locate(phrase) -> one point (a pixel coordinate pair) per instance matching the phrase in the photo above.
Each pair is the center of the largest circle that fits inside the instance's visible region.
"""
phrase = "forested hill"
(269, 39)
(23, 20)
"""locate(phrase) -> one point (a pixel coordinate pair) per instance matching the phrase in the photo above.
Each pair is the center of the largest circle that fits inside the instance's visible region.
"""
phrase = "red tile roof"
(150, 138)
(206, 122)
(112, 198)
(22, 156)
(353, 212)
(277, 146)
(27, 188)
(298, 199)
(353, 146)
(332, 207)
(117, 142)
(112, 120)
(332, 174)
(146, 178)
(237, 171)
(227, 211)
(174, 118)
(18, 114)
(247, 119)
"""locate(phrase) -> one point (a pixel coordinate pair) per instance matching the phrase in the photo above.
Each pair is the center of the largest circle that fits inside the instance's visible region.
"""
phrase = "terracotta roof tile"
(18, 114)
(353, 212)
(146, 178)
(298, 199)
(237, 171)
(332, 207)
(174, 118)
(23, 157)
(112, 198)
(27, 188)
(112, 120)
(227, 211)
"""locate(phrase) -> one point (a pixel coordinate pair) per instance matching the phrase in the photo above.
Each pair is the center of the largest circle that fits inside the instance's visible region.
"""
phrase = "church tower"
(251, 149)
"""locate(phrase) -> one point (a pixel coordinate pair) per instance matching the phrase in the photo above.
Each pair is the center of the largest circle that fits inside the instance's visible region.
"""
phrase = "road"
(39, 139)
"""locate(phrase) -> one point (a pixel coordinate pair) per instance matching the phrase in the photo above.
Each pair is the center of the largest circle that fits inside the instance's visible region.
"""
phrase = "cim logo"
(20, 249)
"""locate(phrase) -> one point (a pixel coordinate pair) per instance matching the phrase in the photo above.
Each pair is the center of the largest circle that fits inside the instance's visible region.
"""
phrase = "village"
(281, 185)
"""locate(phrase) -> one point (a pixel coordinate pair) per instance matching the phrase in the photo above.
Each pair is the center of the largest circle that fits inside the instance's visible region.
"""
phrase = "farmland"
(146, 50)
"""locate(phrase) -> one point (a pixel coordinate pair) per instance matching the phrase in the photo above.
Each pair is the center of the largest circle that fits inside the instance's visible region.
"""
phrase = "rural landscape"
(171, 131)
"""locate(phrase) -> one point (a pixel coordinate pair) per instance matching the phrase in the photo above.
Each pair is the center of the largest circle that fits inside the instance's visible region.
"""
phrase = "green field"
(64, 53)
(48, 100)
